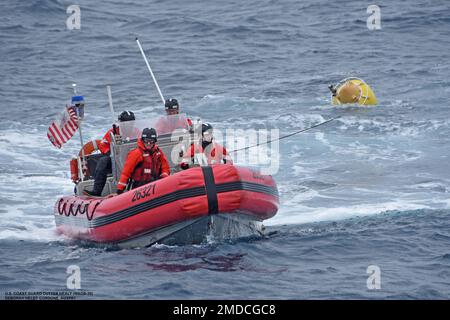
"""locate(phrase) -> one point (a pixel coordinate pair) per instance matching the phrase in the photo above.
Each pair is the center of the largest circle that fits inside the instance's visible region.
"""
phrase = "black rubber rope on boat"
(78, 210)
(59, 206)
(70, 211)
(86, 205)
(63, 209)
(89, 217)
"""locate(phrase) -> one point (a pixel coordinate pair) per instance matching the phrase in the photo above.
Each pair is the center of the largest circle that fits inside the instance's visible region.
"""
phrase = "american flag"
(63, 128)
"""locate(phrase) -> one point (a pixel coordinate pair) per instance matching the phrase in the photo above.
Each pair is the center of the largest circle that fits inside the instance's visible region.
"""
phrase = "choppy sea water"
(369, 189)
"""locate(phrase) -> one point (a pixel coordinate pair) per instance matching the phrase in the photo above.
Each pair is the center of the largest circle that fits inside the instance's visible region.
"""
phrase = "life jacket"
(169, 124)
(148, 169)
(214, 152)
(105, 144)
(144, 166)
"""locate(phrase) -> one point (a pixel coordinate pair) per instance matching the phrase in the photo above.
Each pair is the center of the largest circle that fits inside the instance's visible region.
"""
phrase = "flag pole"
(81, 168)
(83, 156)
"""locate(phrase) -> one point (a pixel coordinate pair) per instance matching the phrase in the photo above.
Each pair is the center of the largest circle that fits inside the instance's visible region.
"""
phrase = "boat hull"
(208, 229)
(221, 201)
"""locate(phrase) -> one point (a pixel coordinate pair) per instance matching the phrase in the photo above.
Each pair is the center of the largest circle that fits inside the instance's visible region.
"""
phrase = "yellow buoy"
(353, 90)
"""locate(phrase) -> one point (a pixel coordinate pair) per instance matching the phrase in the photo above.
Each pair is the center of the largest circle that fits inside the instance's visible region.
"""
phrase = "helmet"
(171, 104)
(206, 126)
(149, 134)
(207, 133)
(126, 116)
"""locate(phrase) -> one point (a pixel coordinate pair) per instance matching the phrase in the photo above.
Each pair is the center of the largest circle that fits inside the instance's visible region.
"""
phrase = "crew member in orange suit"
(104, 163)
(173, 119)
(144, 164)
(214, 152)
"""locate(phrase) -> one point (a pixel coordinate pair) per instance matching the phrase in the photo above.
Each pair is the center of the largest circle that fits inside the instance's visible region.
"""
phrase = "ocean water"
(371, 188)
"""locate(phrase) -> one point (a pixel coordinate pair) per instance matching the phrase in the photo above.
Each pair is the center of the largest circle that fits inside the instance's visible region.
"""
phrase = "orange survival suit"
(143, 166)
(215, 153)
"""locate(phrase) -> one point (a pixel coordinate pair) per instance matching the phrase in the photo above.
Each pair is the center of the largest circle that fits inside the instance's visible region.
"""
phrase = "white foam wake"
(303, 214)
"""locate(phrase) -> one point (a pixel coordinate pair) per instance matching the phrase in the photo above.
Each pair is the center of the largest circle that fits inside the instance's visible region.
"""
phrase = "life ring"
(353, 90)
(87, 149)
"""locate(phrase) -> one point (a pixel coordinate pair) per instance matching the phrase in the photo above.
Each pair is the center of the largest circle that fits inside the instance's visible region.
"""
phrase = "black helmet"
(171, 104)
(206, 126)
(126, 116)
(149, 134)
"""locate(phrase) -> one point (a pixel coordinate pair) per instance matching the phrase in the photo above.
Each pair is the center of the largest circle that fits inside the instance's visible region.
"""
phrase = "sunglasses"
(148, 141)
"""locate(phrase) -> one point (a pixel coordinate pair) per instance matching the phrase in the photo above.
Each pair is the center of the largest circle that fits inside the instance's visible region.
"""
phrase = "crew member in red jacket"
(173, 120)
(214, 152)
(144, 164)
(104, 163)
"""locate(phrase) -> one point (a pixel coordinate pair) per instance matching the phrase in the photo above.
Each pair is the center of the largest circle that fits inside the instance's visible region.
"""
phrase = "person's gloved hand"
(184, 166)
(119, 191)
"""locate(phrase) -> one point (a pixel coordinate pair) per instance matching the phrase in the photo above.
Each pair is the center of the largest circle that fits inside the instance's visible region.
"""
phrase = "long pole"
(83, 159)
(111, 108)
(150, 70)
(83, 156)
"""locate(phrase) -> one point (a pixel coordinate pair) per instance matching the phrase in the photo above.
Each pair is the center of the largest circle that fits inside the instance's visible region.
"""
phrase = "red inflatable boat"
(221, 201)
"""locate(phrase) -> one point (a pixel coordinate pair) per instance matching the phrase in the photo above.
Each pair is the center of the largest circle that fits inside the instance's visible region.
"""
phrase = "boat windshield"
(164, 125)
